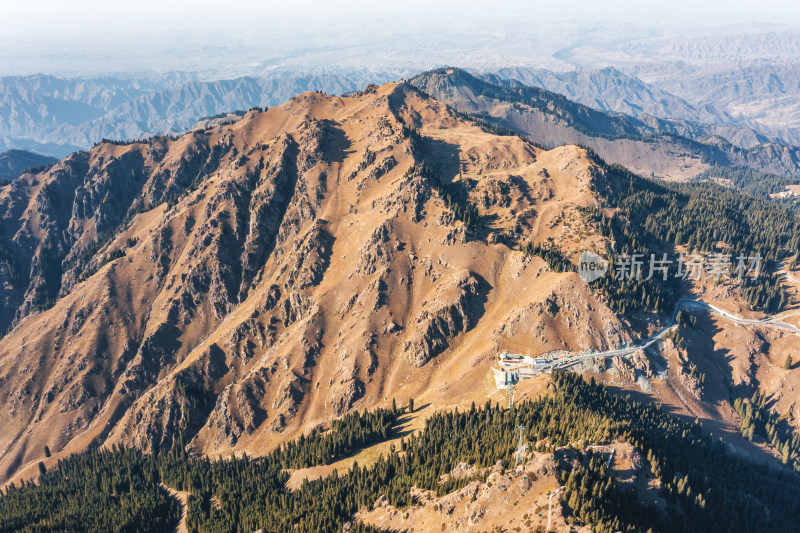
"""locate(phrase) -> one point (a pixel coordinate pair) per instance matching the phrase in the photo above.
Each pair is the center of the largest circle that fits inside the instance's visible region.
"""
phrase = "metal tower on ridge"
(518, 455)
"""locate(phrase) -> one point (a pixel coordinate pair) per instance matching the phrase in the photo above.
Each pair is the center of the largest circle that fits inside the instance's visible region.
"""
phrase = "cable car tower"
(519, 452)
(511, 389)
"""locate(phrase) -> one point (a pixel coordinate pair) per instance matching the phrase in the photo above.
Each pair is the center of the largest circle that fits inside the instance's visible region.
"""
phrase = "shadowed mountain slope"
(647, 145)
(235, 286)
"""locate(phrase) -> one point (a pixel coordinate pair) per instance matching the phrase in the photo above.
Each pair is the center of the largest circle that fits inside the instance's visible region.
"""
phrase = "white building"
(504, 379)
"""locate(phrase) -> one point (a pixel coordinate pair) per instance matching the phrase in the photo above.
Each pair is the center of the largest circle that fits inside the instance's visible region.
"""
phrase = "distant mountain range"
(751, 77)
(611, 90)
(764, 96)
(729, 103)
(647, 145)
(745, 105)
(14, 162)
(56, 116)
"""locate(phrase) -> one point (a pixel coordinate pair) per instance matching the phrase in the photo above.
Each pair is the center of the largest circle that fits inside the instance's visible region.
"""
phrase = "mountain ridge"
(209, 306)
(58, 116)
(651, 148)
(15, 162)
(255, 285)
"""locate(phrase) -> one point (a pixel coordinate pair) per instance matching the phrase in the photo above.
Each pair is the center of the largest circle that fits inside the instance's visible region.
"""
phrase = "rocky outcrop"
(175, 409)
(229, 289)
(310, 258)
(267, 205)
(238, 411)
(377, 252)
(457, 308)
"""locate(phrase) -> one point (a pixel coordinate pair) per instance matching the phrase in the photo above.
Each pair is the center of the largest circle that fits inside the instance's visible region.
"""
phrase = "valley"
(212, 309)
(360, 267)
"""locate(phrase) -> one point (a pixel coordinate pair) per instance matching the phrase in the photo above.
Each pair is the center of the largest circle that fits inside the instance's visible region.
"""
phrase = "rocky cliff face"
(233, 287)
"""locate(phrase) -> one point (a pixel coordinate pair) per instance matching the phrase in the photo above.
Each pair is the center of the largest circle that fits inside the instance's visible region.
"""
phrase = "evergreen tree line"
(352, 432)
(748, 180)
(759, 423)
(705, 486)
(702, 217)
(97, 491)
(765, 292)
(628, 290)
(552, 256)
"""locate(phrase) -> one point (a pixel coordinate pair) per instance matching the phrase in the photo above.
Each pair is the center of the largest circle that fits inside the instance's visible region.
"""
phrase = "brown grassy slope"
(311, 269)
(731, 360)
(661, 156)
(513, 500)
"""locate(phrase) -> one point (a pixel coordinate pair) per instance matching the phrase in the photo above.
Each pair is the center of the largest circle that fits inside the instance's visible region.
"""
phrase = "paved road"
(683, 303)
(770, 321)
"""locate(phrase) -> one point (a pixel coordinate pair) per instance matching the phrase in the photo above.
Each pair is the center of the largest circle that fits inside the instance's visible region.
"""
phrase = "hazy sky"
(91, 36)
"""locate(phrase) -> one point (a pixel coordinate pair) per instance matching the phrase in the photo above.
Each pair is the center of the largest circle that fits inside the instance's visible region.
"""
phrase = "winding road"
(683, 303)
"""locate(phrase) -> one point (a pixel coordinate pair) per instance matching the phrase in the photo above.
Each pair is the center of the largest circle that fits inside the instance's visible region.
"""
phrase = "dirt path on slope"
(183, 500)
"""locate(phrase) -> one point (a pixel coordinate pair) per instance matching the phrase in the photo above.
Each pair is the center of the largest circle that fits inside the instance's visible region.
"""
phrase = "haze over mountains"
(301, 242)
(230, 289)
(56, 116)
(738, 115)
(747, 97)
(650, 146)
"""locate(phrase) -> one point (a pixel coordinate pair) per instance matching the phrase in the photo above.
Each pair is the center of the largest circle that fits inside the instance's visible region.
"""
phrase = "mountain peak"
(250, 263)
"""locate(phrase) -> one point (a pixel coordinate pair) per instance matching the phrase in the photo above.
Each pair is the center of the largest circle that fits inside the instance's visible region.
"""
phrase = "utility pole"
(518, 455)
